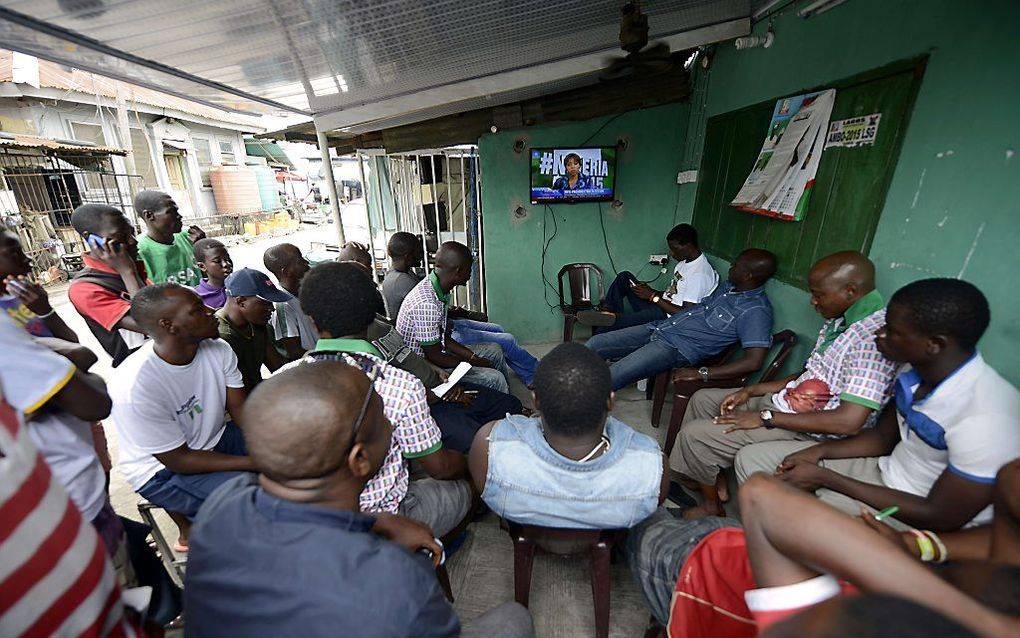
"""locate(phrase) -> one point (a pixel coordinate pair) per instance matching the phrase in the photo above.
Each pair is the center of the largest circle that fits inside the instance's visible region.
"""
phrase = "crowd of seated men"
(312, 502)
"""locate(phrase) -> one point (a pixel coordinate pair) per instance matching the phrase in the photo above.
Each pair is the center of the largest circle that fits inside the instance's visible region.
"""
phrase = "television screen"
(573, 174)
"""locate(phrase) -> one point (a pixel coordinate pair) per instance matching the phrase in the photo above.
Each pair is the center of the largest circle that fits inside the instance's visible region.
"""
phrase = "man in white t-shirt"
(169, 399)
(60, 400)
(693, 280)
(935, 453)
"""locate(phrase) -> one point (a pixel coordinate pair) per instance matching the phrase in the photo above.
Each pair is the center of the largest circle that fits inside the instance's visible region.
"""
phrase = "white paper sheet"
(455, 376)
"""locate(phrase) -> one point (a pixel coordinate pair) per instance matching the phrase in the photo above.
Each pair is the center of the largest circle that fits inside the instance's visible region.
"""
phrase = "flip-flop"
(179, 547)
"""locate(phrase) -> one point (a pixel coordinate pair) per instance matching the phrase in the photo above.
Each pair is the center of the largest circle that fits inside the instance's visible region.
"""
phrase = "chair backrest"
(579, 276)
(564, 541)
(785, 339)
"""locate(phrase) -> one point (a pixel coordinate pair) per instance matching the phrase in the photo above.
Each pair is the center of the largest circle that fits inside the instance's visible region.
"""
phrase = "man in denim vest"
(574, 466)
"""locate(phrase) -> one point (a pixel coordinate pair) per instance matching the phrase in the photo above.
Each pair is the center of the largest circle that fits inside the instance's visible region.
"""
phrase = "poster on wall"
(855, 131)
(783, 175)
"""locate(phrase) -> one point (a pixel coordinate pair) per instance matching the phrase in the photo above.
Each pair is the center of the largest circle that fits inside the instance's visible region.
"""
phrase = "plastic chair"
(684, 390)
(596, 543)
(579, 276)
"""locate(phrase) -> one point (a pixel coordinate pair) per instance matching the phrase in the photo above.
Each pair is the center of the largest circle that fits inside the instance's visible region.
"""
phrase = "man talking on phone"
(101, 293)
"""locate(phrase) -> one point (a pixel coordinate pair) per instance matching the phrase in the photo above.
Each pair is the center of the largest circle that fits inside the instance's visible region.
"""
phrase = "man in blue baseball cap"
(244, 320)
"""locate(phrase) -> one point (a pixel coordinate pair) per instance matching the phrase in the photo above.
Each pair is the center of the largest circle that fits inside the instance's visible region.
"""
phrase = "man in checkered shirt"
(422, 322)
(341, 300)
(720, 423)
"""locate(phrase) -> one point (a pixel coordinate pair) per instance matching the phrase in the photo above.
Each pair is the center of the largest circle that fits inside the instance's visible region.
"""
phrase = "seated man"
(25, 301)
(294, 331)
(215, 263)
(934, 454)
(342, 300)
(165, 249)
(244, 320)
(423, 315)
(693, 280)
(57, 580)
(706, 584)
(101, 292)
(405, 252)
(575, 465)
(348, 573)
(736, 311)
(169, 399)
(845, 382)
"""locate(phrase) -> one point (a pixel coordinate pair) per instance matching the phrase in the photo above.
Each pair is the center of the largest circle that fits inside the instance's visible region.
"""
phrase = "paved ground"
(482, 570)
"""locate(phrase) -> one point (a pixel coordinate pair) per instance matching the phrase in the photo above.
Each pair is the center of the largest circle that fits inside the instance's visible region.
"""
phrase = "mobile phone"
(633, 284)
(95, 241)
(16, 287)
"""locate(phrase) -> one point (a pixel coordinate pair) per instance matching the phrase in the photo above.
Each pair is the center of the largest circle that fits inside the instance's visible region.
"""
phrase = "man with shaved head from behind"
(844, 384)
(288, 552)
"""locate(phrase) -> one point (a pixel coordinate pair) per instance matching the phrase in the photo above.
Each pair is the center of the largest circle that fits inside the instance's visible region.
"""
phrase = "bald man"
(844, 384)
(295, 332)
(166, 250)
(423, 317)
(318, 434)
(737, 311)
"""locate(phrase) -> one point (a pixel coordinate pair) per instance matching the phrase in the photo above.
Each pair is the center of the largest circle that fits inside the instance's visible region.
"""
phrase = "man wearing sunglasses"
(342, 302)
(290, 552)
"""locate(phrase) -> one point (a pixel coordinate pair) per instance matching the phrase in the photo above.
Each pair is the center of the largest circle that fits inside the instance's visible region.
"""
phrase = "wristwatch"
(656, 299)
(766, 419)
(703, 371)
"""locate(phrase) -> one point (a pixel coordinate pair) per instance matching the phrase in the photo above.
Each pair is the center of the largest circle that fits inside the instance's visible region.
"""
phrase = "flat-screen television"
(565, 174)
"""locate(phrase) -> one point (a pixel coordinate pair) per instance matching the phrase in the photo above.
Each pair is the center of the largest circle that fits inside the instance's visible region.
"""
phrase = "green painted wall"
(646, 184)
(953, 207)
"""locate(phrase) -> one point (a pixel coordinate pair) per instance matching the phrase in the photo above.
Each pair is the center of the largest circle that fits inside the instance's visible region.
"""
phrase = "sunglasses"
(372, 370)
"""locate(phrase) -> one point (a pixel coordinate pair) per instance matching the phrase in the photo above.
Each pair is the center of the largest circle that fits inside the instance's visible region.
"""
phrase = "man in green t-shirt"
(164, 248)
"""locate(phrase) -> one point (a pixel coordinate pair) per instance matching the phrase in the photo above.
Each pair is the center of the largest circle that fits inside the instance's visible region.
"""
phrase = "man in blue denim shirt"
(288, 553)
(737, 311)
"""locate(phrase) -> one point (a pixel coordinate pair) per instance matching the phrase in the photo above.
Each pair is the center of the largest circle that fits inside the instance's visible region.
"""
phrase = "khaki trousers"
(766, 457)
(702, 449)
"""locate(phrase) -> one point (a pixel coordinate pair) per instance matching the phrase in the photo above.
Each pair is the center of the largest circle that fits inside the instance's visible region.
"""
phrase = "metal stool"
(174, 566)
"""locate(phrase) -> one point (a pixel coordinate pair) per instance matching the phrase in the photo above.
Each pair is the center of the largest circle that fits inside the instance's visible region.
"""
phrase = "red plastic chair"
(684, 390)
(596, 543)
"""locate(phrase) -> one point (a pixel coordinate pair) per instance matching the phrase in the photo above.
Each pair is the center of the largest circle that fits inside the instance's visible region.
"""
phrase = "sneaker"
(598, 318)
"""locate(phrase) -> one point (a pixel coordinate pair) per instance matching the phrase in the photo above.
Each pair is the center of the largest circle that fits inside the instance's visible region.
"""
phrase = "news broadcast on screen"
(573, 174)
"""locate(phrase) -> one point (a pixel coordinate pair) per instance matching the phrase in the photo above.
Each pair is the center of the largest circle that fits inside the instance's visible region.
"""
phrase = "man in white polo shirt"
(693, 280)
(955, 422)
(169, 399)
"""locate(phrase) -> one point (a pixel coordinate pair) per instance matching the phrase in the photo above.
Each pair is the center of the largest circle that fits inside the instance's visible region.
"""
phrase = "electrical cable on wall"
(545, 248)
(605, 240)
(599, 129)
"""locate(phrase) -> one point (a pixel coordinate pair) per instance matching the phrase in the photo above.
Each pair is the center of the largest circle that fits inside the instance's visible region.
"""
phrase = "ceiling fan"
(642, 57)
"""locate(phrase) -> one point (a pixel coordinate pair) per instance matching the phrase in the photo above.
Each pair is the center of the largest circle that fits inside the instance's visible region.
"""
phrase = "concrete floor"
(481, 571)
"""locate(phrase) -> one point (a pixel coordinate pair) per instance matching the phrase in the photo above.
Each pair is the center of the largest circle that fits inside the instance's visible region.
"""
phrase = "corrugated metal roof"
(267, 149)
(352, 60)
(31, 141)
(53, 75)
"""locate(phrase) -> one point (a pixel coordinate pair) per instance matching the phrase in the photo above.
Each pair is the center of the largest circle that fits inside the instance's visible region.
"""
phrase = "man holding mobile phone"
(25, 301)
(101, 293)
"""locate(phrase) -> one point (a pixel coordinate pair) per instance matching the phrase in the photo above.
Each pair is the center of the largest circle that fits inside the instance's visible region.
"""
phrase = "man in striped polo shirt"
(849, 379)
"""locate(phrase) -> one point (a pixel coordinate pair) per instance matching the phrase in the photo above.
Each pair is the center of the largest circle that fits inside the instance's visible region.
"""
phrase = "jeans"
(509, 620)
(459, 423)
(468, 332)
(185, 493)
(639, 355)
(657, 549)
(494, 377)
(439, 504)
(643, 312)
